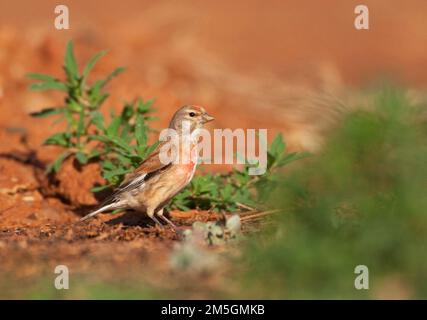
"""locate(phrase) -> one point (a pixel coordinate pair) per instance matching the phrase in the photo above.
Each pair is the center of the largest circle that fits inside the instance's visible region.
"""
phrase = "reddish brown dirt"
(250, 63)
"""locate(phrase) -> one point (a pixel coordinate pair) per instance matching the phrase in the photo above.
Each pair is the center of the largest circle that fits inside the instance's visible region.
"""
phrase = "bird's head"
(195, 116)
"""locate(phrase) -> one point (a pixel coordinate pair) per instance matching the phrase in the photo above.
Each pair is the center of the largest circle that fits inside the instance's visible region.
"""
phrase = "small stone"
(32, 216)
(28, 198)
(233, 224)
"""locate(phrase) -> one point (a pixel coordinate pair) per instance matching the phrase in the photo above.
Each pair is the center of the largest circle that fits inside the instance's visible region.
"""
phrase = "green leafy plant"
(120, 144)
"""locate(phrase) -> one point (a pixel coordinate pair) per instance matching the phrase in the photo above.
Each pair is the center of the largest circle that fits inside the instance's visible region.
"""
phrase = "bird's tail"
(104, 208)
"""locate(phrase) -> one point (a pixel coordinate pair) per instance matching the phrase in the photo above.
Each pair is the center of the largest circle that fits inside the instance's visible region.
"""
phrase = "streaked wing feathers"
(151, 164)
(134, 180)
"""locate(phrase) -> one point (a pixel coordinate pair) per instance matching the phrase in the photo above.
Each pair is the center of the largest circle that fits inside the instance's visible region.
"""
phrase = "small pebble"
(28, 198)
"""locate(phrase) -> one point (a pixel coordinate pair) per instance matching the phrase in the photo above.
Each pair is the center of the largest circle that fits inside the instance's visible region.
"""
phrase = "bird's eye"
(192, 114)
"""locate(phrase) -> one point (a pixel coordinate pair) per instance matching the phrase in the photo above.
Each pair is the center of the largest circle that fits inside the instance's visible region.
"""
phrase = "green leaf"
(140, 131)
(182, 207)
(56, 165)
(91, 63)
(127, 133)
(48, 85)
(40, 76)
(46, 112)
(150, 149)
(95, 90)
(117, 172)
(74, 106)
(101, 99)
(97, 119)
(113, 128)
(60, 119)
(127, 112)
(278, 145)
(94, 153)
(69, 117)
(226, 192)
(144, 107)
(107, 165)
(291, 157)
(113, 74)
(81, 157)
(70, 62)
(114, 140)
(124, 160)
(99, 188)
(80, 124)
(59, 139)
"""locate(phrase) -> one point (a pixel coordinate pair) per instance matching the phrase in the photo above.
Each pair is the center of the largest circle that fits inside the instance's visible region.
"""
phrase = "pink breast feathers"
(191, 165)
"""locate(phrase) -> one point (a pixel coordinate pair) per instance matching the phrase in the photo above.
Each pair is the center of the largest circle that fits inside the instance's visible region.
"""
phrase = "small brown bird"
(154, 183)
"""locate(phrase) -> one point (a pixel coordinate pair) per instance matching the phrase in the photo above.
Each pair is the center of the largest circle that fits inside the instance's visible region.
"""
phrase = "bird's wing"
(133, 181)
(149, 166)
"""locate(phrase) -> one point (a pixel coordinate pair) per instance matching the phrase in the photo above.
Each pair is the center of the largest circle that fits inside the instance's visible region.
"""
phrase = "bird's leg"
(150, 213)
(160, 214)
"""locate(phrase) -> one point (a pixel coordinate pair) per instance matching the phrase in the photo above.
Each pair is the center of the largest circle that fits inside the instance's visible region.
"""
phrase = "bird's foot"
(158, 223)
(170, 223)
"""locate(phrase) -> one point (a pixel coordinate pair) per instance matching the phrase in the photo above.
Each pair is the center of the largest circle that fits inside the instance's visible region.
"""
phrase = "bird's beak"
(206, 118)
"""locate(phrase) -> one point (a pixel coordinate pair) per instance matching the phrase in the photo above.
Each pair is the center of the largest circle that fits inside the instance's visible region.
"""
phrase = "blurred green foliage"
(361, 202)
